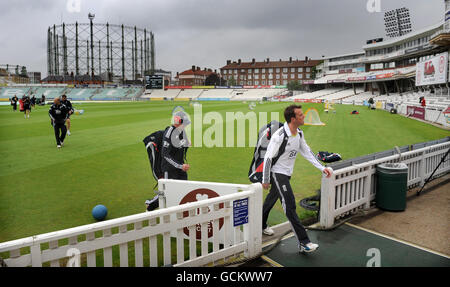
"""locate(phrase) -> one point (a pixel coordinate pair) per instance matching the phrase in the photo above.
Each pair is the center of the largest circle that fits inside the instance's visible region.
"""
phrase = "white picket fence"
(128, 235)
(352, 188)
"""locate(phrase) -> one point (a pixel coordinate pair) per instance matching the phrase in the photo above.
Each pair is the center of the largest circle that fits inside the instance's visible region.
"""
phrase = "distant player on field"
(58, 114)
(33, 101)
(14, 101)
(70, 109)
(26, 107)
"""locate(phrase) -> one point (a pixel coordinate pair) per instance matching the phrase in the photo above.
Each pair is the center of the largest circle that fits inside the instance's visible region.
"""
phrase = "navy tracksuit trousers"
(281, 188)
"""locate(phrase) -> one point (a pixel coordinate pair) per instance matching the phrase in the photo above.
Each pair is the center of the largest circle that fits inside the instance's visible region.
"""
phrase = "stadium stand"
(358, 99)
(216, 94)
(213, 94)
(9, 92)
(161, 94)
(317, 94)
(116, 94)
(80, 94)
(255, 94)
(74, 94)
(339, 95)
(109, 94)
(189, 94)
(134, 93)
(249, 95)
(48, 92)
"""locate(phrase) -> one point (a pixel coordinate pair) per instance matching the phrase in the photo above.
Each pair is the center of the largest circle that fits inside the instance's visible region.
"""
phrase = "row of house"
(252, 73)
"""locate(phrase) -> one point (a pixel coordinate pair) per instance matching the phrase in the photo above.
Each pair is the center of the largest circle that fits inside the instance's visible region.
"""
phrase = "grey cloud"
(207, 33)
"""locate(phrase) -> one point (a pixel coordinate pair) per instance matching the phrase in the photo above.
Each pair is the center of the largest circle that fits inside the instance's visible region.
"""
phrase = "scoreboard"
(154, 82)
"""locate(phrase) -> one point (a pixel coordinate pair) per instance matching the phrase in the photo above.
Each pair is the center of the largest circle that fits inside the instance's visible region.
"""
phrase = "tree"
(232, 81)
(213, 80)
(313, 73)
(294, 86)
(23, 72)
(314, 70)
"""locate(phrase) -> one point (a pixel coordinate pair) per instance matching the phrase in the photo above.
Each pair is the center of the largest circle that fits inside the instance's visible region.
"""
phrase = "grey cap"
(183, 116)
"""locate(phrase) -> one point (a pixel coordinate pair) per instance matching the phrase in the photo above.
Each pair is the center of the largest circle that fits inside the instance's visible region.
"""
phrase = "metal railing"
(118, 238)
(352, 188)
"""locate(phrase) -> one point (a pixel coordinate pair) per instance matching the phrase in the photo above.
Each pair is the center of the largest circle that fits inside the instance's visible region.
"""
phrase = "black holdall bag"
(153, 145)
(255, 172)
(328, 157)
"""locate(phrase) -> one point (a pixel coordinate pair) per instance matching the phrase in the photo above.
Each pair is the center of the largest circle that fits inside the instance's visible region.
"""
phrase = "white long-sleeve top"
(285, 163)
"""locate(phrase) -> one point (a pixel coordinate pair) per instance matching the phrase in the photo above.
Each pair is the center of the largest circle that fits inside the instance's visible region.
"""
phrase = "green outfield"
(104, 161)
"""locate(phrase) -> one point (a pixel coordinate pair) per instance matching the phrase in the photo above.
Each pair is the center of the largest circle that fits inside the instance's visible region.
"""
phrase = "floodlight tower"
(91, 18)
(397, 22)
(447, 16)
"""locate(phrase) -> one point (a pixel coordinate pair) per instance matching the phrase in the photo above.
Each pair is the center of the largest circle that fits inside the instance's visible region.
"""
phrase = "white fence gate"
(122, 236)
(354, 187)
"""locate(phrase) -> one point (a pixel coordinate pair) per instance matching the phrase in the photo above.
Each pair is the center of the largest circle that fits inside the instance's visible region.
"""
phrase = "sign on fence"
(177, 192)
(240, 211)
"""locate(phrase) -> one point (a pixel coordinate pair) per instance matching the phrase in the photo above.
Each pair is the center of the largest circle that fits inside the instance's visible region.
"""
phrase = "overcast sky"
(207, 33)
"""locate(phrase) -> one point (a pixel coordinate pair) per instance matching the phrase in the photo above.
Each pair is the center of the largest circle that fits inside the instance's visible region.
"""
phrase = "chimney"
(204, 69)
(193, 68)
(253, 61)
(198, 68)
(239, 61)
(306, 59)
(267, 60)
(290, 59)
(228, 62)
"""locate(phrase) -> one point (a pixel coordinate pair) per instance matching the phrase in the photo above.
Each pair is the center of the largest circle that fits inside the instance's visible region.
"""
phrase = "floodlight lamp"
(91, 16)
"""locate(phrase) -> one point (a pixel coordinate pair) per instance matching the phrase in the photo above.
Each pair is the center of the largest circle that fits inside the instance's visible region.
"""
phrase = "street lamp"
(91, 18)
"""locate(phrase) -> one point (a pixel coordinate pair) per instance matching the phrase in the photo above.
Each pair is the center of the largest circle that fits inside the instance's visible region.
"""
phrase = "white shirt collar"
(288, 130)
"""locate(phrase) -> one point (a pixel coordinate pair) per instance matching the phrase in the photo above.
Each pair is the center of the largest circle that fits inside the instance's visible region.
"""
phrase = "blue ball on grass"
(99, 212)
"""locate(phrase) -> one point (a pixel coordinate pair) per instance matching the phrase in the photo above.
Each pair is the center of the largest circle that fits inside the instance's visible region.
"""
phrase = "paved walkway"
(425, 222)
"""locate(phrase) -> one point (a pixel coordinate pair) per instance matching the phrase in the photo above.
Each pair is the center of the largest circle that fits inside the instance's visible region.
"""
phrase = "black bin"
(392, 181)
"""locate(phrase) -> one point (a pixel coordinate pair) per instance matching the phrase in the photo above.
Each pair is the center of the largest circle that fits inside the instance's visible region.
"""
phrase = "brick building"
(193, 77)
(268, 72)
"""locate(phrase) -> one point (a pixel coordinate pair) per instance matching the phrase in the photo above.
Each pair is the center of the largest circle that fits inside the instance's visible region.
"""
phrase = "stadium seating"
(73, 94)
(49, 92)
(9, 92)
(108, 94)
(189, 94)
(254, 94)
(339, 95)
(160, 94)
(317, 94)
(358, 99)
(80, 94)
(115, 94)
(216, 94)
(134, 93)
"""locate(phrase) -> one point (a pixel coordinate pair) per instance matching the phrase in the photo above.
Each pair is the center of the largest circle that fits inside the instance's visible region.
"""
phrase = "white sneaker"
(58, 146)
(68, 132)
(62, 143)
(268, 231)
(310, 247)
